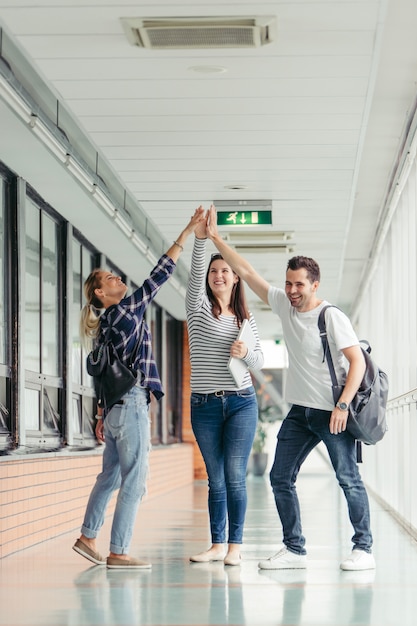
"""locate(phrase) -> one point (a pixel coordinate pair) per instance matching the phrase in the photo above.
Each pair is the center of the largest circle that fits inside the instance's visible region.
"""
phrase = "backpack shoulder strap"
(326, 350)
(326, 355)
(132, 359)
(322, 328)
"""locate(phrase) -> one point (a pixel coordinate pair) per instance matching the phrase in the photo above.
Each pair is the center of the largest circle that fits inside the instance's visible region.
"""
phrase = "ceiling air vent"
(263, 249)
(200, 32)
(261, 242)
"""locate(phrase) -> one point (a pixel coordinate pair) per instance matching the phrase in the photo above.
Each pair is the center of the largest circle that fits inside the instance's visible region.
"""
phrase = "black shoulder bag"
(112, 378)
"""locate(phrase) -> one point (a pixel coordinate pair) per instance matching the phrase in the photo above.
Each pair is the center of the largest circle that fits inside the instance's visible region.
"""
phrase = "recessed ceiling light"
(208, 69)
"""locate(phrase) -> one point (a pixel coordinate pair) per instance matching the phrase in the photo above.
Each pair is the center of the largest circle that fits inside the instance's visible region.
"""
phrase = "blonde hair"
(90, 313)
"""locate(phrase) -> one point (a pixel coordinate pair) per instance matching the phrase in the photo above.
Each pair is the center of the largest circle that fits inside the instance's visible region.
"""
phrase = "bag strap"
(327, 355)
(132, 359)
(325, 343)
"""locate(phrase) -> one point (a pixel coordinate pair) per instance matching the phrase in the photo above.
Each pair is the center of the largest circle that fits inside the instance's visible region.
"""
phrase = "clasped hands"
(208, 226)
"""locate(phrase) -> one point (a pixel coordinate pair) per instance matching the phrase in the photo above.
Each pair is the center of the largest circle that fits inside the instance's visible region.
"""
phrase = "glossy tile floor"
(51, 585)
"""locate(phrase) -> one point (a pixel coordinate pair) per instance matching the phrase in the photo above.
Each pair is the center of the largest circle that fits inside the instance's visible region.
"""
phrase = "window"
(50, 346)
(154, 318)
(3, 238)
(82, 406)
(42, 332)
(32, 289)
(173, 382)
(5, 412)
(43, 377)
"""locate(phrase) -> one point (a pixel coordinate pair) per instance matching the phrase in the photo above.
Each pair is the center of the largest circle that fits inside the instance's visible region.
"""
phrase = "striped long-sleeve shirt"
(210, 338)
(125, 322)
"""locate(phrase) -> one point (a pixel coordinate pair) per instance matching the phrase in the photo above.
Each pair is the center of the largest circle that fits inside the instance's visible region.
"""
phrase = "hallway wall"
(388, 320)
(46, 496)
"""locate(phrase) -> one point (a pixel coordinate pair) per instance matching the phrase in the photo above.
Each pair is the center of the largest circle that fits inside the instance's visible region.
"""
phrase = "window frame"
(43, 438)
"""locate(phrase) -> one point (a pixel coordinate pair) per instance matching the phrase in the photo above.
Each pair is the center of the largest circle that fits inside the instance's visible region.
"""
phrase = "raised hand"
(200, 230)
(211, 229)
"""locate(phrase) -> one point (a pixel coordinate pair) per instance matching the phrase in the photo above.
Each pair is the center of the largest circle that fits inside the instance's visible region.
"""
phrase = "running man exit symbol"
(243, 218)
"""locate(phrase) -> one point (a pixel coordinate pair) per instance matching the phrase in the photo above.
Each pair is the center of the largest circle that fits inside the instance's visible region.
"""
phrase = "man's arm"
(236, 262)
(354, 378)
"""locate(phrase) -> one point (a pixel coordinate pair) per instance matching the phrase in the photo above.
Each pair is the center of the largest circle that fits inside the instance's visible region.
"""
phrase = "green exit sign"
(244, 218)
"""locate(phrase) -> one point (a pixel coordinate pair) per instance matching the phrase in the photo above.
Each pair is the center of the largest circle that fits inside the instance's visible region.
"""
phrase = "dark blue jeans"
(224, 428)
(300, 432)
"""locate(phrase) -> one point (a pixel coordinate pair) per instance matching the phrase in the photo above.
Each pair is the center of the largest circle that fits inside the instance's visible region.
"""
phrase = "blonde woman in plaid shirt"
(125, 427)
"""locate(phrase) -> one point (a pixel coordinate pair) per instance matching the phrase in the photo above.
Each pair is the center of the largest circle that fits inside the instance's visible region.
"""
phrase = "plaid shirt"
(127, 326)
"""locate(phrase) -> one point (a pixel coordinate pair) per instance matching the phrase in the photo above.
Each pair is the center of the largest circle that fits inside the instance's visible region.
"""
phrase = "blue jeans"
(125, 467)
(300, 432)
(225, 428)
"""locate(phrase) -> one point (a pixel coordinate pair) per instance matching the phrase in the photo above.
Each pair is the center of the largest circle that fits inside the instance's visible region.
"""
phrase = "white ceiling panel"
(248, 105)
(208, 123)
(212, 88)
(312, 122)
(242, 67)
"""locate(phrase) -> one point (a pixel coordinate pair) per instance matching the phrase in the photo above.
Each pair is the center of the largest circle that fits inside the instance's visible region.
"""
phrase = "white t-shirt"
(308, 380)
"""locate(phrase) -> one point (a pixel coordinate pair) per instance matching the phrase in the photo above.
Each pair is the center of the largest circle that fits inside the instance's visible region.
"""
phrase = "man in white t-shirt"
(313, 416)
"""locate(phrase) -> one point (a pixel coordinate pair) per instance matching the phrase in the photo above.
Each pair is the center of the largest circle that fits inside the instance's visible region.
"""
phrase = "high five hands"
(208, 227)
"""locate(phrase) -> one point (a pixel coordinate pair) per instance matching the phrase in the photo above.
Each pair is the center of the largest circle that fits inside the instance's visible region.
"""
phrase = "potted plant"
(266, 415)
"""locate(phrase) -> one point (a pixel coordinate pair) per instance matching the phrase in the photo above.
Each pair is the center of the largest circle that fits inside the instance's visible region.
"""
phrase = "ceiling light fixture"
(123, 225)
(151, 257)
(243, 248)
(14, 100)
(243, 205)
(257, 237)
(139, 244)
(208, 69)
(103, 201)
(79, 173)
(47, 138)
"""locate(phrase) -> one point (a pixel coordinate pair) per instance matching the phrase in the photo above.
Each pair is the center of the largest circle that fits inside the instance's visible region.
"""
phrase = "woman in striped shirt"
(223, 415)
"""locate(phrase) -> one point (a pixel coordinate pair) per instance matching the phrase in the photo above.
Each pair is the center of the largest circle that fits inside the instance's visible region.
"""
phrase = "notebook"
(237, 367)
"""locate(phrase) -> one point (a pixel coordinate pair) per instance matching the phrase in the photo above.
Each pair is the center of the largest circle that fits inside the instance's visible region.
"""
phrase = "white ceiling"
(313, 121)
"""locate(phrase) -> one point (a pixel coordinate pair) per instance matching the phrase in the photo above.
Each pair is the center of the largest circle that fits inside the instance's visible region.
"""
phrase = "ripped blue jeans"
(125, 467)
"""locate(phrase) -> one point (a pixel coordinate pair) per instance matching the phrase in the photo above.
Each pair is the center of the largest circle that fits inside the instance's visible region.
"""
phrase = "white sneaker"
(284, 559)
(358, 560)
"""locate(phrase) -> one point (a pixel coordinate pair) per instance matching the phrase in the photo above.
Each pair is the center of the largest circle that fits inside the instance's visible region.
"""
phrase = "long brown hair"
(237, 303)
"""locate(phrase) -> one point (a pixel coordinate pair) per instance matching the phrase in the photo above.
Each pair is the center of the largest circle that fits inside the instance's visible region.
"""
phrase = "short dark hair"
(312, 267)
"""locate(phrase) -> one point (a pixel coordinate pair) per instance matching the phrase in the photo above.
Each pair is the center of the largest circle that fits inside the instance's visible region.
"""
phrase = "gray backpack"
(366, 421)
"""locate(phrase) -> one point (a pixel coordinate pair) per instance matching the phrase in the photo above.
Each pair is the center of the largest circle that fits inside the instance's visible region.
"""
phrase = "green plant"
(260, 438)
(266, 415)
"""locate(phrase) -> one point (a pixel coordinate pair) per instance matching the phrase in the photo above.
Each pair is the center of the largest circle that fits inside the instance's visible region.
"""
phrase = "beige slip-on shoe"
(82, 548)
(207, 557)
(233, 561)
(115, 563)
